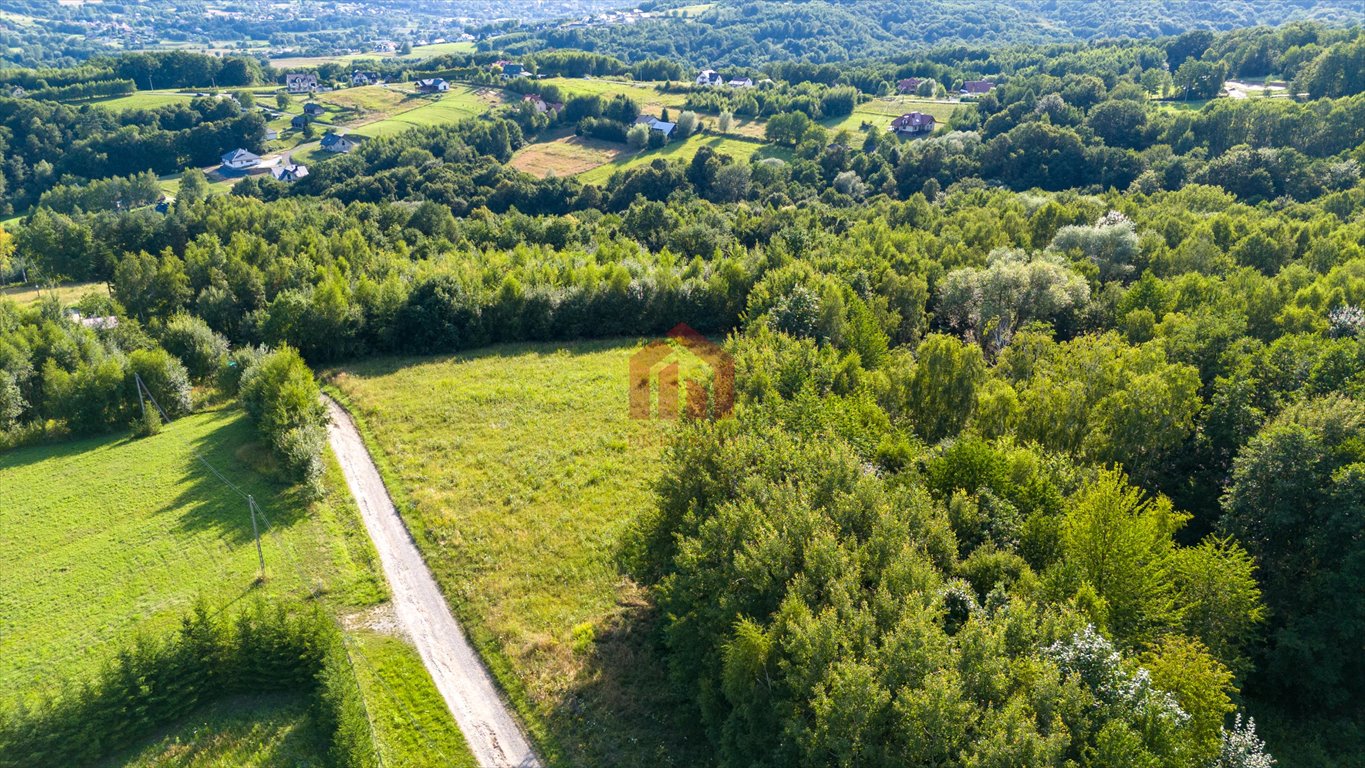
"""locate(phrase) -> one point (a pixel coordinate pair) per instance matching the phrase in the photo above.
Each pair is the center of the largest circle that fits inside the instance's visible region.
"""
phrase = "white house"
(365, 78)
(289, 172)
(300, 82)
(240, 160)
(709, 77)
(655, 124)
(433, 85)
(741, 82)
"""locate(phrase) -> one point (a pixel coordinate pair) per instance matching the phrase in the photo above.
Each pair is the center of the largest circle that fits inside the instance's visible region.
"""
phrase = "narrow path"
(490, 728)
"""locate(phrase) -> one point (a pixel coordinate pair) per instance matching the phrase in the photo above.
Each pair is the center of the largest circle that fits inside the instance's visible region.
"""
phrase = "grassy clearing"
(645, 94)
(739, 149)
(565, 156)
(142, 100)
(66, 293)
(242, 732)
(460, 102)
(106, 537)
(880, 112)
(519, 472)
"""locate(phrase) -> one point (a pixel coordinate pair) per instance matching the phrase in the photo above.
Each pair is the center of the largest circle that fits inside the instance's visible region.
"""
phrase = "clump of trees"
(283, 401)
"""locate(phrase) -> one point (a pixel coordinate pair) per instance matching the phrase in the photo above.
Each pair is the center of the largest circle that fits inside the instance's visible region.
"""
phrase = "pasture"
(418, 52)
(144, 100)
(520, 472)
(685, 150)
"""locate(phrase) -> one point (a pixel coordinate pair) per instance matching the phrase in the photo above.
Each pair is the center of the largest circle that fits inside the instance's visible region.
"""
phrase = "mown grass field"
(143, 100)
(685, 150)
(460, 102)
(565, 156)
(67, 293)
(106, 538)
(520, 472)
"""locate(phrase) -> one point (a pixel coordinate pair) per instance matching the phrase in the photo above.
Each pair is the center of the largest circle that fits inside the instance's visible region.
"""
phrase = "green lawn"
(520, 472)
(108, 537)
(418, 52)
(105, 537)
(263, 731)
(143, 100)
(460, 102)
(739, 149)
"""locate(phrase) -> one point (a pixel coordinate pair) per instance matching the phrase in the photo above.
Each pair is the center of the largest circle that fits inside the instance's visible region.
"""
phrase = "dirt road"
(492, 732)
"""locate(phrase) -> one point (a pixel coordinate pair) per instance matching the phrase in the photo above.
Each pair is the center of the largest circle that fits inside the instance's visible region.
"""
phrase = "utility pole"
(251, 502)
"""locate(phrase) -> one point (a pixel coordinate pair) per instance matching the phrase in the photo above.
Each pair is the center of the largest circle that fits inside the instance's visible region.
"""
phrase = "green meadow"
(109, 538)
(520, 472)
(685, 150)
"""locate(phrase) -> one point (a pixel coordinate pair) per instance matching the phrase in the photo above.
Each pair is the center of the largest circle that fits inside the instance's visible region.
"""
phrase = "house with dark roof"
(909, 84)
(300, 82)
(299, 122)
(339, 142)
(977, 87)
(432, 85)
(240, 160)
(313, 109)
(289, 172)
(164, 204)
(709, 77)
(912, 123)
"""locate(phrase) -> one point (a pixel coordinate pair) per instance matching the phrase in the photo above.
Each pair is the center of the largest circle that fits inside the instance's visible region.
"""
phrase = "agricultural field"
(460, 102)
(520, 472)
(565, 156)
(109, 537)
(739, 149)
(880, 112)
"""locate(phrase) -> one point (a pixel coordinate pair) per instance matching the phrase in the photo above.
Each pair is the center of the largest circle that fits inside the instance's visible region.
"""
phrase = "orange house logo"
(661, 357)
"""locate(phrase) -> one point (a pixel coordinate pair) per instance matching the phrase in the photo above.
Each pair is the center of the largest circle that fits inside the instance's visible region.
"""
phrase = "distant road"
(492, 732)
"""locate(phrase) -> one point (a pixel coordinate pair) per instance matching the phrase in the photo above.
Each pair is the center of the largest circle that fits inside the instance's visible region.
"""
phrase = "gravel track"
(489, 727)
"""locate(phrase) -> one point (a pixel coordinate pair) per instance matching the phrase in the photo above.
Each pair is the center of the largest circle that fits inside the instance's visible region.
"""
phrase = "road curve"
(492, 732)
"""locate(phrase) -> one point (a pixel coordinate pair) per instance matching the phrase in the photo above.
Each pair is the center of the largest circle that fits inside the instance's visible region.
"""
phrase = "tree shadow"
(623, 708)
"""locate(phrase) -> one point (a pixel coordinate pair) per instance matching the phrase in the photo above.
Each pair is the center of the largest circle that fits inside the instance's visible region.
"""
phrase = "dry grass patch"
(565, 156)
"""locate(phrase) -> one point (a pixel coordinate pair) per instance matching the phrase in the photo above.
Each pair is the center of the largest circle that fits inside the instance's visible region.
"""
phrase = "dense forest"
(754, 32)
(1048, 447)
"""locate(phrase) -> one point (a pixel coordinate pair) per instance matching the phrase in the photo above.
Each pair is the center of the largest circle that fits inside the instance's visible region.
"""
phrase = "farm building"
(433, 85)
(300, 82)
(299, 122)
(313, 109)
(741, 82)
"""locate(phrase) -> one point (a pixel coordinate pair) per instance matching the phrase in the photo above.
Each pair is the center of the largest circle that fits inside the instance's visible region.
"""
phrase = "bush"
(282, 399)
(199, 347)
